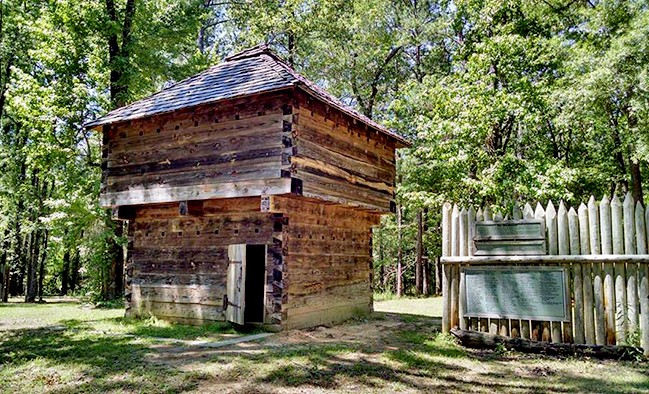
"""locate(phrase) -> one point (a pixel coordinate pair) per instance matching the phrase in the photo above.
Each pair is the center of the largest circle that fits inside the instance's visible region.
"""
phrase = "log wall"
(327, 261)
(340, 160)
(177, 264)
(603, 247)
(213, 151)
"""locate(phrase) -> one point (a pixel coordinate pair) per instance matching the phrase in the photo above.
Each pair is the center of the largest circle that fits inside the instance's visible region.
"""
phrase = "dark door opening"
(255, 283)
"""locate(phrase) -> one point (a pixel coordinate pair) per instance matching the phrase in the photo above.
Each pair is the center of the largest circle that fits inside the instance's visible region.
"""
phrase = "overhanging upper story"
(250, 126)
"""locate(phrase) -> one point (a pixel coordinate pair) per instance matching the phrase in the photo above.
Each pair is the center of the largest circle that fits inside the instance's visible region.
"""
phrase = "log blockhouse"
(250, 194)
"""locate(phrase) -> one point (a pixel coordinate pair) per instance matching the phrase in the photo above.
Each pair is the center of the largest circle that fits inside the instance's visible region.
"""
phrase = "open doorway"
(255, 294)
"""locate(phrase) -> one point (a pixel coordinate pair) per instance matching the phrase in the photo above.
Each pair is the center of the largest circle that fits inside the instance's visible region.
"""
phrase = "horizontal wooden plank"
(549, 259)
(184, 279)
(193, 294)
(336, 313)
(329, 189)
(323, 168)
(344, 140)
(209, 161)
(224, 136)
(312, 150)
(140, 195)
(210, 208)
(305, 210)
(176, 310)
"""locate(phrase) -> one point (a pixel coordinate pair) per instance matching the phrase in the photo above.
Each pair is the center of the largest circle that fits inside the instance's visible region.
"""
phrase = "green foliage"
(505, 101)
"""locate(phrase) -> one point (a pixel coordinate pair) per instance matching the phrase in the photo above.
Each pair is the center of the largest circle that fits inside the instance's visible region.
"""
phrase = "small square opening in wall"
(216, 232)
(236, 231)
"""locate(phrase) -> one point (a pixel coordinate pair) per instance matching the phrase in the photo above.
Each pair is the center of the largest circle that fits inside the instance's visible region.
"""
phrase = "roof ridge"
(257, 50)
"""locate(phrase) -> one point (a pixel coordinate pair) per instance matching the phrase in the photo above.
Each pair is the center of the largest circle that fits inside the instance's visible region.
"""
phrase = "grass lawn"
(68, 348)
(431, 307)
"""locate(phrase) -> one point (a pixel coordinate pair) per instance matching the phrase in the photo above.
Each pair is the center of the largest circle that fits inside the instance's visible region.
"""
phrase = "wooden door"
(236, 289)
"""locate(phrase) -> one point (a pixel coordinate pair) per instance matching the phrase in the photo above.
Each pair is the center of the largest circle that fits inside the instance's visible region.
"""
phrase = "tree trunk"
(438, 276)
(114, 280)
(636, 181)
(41, 268)
(30, 294)
(379, 247)
(4, 266)
(399, 281)
(426, 263)
(65, 272)
(419, 255)
(74, 270)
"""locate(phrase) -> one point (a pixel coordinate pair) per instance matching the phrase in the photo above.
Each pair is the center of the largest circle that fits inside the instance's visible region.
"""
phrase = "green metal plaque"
(509, 238)
(529, 293)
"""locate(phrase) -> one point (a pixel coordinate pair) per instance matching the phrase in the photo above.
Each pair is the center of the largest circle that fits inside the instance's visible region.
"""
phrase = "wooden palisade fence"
(602, 245)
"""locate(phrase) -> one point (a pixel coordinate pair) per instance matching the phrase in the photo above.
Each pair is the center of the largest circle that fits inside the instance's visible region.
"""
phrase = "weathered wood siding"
(338, 159)
(327, 261)
(214, 151)
(177, 265)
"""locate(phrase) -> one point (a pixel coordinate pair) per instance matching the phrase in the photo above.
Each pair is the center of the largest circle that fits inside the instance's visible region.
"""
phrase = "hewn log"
(479, 340)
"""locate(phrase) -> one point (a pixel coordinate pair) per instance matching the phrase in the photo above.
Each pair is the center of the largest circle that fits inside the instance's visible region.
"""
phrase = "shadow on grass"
(424, 362)
(154, 328)
(105, 363)
(21, 304)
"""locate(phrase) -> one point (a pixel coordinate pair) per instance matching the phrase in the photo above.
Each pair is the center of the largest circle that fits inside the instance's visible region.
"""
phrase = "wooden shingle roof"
(252, 71)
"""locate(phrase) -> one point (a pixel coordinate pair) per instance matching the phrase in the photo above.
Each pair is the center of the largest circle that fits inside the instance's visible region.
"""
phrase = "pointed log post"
(631, 268)
(598, 282)
(498, 216)
(563, 232)
(586, 270)
(479, 216)
(617, 231)
(472, 220)
(643, 290)
(553, 249)
(640, 229)
(644, 307)
(605, 225)
(551, 228)
(578, 310)
(629, 224)
(446, 273)
(609, 286)
(455, 280)
(464, 251)
(488, 216)
(539, 212)
(528, 212)
(516, 212)
(464, 233)
(563, 237)
(584, 237)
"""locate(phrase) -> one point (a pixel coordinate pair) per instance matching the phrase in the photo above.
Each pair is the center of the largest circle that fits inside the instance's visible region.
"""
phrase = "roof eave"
(97, 123)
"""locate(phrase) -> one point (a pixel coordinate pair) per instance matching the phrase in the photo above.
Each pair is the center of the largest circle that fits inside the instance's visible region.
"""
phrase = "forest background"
(505, 101)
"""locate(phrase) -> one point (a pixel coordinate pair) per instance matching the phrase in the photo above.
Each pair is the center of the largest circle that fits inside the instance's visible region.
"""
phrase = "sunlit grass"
(70, 348)
(430, 307)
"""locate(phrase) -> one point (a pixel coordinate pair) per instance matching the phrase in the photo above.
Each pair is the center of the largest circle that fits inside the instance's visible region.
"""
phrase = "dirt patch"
(370, 336)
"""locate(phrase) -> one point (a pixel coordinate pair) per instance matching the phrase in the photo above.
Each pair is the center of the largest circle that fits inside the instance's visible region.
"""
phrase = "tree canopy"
(505, 101)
